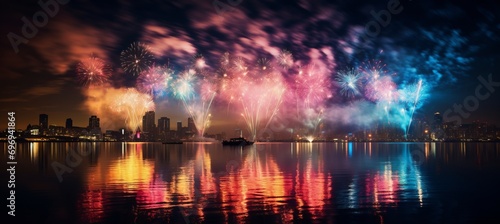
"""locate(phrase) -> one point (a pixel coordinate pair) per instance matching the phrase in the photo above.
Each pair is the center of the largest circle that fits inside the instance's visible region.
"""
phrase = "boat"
(172, 142)
(237, 142)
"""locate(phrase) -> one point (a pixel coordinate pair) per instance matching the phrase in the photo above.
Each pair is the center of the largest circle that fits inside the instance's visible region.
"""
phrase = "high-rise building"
(179, 125)
(44, 121)
(163, 125)
(93, 122)
(148, 122)
(69, 123)
(180, 130)
(438, 121)
(192, 126)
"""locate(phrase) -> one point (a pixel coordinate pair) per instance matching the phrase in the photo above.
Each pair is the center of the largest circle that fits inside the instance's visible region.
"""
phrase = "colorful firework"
(136, 58)
(257, 99)
(197, 94)
(155, 80)
(312, 89)
(93, 71)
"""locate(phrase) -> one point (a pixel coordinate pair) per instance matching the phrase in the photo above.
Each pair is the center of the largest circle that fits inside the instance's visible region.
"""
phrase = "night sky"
(448, 44)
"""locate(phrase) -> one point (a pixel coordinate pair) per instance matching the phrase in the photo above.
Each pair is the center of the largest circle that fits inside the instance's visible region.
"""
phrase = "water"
(264, 183)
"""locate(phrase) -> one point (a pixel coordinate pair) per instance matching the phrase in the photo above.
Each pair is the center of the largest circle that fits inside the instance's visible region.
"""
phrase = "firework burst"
(93, 71)
(136, 58)
(349, 82)
(285, 59)
(155, 80)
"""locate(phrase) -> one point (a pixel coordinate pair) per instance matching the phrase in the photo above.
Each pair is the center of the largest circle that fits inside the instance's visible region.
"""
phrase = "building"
(163, 127)
(148, 126)
(191, 126)
(44, 121)
(180, 130)
(438, 121)
(69, 123)
(93, 122)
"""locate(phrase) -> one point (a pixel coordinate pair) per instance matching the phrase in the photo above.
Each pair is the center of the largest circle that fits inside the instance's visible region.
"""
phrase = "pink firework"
(93, 71)
(199, 62)
(382, 89)
(257, 99)
(155, 80)
(311, 88)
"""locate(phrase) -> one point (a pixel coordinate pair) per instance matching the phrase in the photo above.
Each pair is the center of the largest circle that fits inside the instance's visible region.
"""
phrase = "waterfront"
(266, 182)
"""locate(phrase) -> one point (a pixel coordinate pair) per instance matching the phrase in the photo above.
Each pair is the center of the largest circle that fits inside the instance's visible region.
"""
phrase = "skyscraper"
(438, 120)
(94, 122)
(163, 125)
(69, 123)
(148, 122)
(191, 126)
(180, 133)
(44, 121)
(148, 126)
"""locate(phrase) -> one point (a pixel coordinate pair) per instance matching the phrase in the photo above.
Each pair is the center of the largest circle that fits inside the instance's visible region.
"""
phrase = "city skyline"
(366, 65)
(432, 128)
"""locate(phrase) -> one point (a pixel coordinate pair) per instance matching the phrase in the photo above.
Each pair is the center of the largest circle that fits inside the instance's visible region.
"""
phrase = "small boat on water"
(172, 142)
(237, 142)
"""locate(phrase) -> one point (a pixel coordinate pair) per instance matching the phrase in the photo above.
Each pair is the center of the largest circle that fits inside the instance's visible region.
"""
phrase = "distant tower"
(44, 121)
(69, 123)
(94, 122)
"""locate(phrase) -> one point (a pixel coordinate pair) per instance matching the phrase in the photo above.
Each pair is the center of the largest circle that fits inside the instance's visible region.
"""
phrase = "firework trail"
(155, 80)
(256, 97)
(197, 94)
(136, 58)
(134, 104)
(414, 107)
(93, 71)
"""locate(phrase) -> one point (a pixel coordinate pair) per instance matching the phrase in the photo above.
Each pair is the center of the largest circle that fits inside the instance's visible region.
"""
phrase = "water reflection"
(280, 182)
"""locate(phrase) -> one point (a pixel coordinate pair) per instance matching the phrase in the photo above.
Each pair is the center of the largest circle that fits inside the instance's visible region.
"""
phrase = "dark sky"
(449, 44)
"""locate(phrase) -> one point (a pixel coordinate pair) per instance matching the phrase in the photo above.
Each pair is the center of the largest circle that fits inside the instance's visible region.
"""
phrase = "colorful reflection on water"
(271, 182)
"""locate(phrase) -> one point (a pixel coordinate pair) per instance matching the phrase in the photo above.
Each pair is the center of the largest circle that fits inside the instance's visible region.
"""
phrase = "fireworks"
(155, 80)
(285, 59)
(136, 58)
(116, 106)
(349, 82)
(199, 62)
(312, 90)
(134, 105)
(93, 71)
(255, 91)
(196, 94)
(263, 65)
